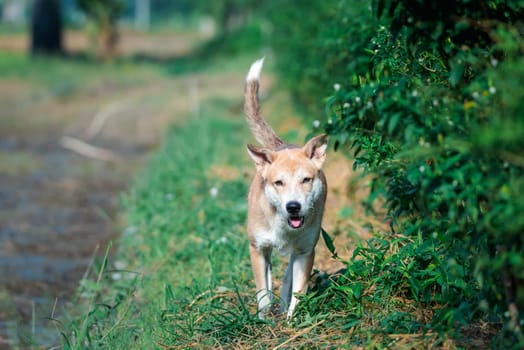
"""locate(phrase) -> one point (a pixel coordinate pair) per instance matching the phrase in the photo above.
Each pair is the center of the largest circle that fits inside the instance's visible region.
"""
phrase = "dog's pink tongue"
(295, 223)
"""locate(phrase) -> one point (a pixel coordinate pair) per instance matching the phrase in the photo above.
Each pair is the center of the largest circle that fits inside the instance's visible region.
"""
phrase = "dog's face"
(292, 180)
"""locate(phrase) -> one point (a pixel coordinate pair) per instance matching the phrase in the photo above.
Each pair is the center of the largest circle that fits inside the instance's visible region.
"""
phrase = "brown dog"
(285, 203)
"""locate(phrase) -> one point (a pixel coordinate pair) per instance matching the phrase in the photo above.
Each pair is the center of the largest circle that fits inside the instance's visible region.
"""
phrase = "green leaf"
(393, 122)
(329, 244)
(457, 71)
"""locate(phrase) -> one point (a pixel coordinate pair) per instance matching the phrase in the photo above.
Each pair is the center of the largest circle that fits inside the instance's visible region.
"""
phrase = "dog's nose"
(293, 207)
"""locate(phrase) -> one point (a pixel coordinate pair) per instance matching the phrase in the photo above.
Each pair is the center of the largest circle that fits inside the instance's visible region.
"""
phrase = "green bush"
(428, 96)
(313, 40)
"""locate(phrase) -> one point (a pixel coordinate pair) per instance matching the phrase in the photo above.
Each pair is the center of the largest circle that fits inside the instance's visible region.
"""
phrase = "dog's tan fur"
(285, 203)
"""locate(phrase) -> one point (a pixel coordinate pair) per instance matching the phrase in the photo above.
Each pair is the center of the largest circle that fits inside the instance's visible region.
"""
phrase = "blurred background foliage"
(428, 97)
(104, 15)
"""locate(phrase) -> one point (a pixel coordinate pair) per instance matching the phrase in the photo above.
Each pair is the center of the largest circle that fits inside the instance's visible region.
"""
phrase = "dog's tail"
(262, 131)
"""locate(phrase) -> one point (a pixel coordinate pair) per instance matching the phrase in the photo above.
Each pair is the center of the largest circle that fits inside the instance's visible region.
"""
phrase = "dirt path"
(59, 208)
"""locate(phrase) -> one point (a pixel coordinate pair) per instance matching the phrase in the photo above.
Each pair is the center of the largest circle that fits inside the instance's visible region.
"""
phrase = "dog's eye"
(279, 183)
(307, 180)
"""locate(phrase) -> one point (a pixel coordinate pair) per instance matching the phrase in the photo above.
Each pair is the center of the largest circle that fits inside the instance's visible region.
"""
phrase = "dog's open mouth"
(295, 221)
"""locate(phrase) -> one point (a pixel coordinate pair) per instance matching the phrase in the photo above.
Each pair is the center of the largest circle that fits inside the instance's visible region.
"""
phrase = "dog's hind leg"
(261, 263)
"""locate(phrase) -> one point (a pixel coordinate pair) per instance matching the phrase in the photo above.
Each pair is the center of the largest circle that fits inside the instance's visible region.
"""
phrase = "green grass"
(184, 250)
(181, 277)
(62, 76)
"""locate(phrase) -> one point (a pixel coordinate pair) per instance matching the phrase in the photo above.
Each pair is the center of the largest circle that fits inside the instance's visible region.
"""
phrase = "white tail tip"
(254, 70)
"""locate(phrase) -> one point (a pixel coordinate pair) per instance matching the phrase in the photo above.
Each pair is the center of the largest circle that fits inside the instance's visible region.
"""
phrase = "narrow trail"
(58, 207)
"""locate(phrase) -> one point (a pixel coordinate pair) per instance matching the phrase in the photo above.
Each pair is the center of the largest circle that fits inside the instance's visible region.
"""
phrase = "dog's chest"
(275, 237)
(286, 240)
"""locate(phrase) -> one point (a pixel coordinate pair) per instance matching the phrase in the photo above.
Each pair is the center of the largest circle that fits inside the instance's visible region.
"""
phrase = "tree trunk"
(46, 28)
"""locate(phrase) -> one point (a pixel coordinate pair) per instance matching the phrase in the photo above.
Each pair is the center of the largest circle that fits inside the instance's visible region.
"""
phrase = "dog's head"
(292, 181)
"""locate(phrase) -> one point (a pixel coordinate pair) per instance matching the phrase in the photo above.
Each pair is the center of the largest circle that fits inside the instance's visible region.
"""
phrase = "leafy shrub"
(313, 40)
(426, 95)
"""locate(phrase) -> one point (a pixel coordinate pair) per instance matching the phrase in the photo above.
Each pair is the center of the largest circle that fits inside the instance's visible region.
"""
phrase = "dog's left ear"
(316, 149)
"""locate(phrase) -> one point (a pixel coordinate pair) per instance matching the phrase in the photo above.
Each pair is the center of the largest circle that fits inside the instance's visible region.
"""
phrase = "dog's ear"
(316, 149)
(261, 156)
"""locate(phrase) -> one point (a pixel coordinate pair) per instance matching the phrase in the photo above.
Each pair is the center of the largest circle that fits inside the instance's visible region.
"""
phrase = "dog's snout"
(293, 207)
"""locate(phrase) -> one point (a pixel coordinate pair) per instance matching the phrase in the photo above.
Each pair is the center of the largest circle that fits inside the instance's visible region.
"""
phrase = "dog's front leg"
(302, 265)
(261, 264)
(287, 284)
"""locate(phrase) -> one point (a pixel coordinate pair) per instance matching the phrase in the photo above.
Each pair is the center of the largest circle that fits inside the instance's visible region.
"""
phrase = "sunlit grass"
(184, 242)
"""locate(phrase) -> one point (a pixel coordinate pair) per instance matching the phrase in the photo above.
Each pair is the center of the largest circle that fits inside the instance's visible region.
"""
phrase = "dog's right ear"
(261, 156)
(316, 149)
